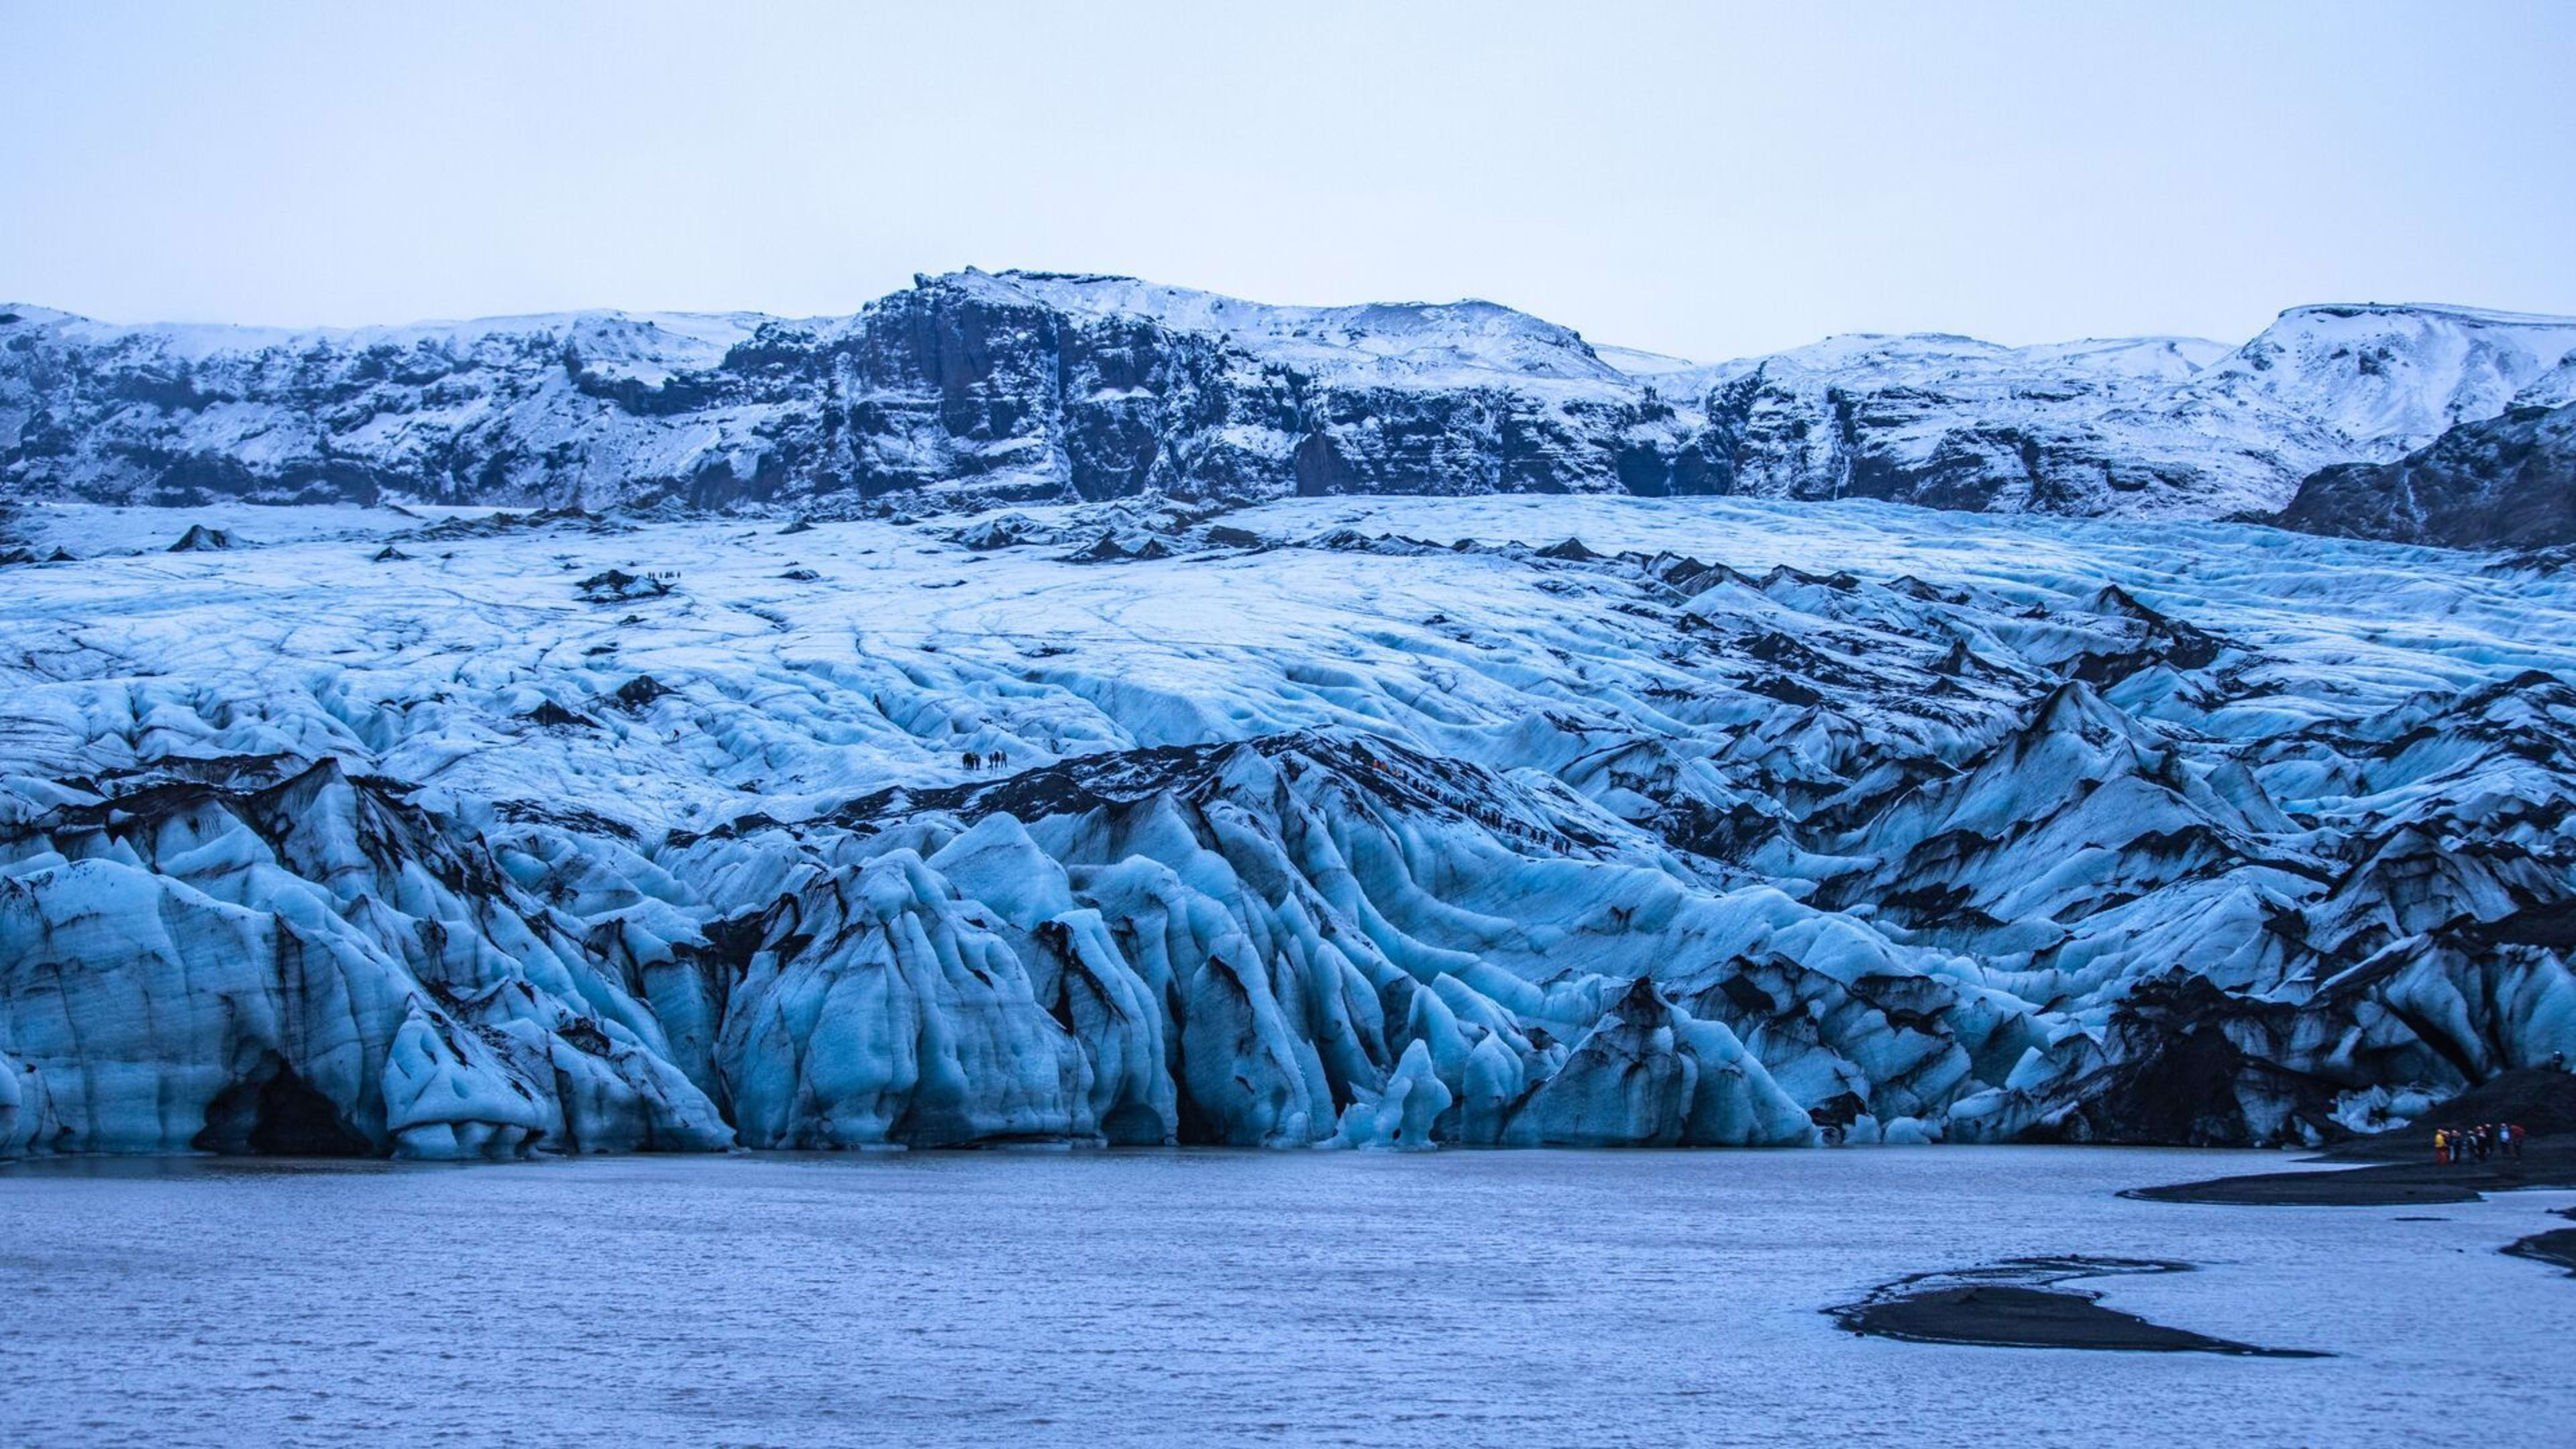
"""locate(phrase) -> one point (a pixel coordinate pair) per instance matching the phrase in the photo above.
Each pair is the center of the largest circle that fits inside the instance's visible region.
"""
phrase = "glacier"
(441, 831)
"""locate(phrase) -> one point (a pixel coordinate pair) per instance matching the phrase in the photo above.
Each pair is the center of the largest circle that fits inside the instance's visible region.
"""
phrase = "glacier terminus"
(440, 830)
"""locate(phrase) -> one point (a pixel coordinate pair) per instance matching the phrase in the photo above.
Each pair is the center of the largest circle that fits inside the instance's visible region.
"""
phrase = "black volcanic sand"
(2405, 1174)
(2545, 1162)
(2558, 1245)
(2015, 1304)
(2543, 1101)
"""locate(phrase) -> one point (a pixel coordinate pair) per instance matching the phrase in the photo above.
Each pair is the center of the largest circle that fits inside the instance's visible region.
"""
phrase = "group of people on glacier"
(2478, 1143)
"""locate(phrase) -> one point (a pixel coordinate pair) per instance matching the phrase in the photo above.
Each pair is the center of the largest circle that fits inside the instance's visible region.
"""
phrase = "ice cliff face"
(1357, 821)
(1022, 387)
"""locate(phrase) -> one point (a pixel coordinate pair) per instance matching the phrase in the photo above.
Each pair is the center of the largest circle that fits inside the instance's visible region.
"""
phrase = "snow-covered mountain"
(1705, 821)
(1021, 386)
(2148, 427)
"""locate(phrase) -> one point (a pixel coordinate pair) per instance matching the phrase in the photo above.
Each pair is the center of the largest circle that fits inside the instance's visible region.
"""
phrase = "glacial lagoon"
(1216, 1297)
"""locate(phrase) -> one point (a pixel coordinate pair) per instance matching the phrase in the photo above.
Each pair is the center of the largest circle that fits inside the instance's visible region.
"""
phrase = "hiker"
(974, 762)
(2513, 1140)
(998, 758)
(2441, 1147)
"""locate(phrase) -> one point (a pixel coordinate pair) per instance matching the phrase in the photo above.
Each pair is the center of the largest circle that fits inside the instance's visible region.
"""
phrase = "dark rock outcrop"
(2505, 482)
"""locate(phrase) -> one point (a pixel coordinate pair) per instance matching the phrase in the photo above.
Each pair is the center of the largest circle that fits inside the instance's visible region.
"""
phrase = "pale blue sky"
(1705, 179)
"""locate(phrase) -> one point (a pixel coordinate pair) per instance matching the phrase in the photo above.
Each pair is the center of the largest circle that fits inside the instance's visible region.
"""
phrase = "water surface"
(1189, 1298)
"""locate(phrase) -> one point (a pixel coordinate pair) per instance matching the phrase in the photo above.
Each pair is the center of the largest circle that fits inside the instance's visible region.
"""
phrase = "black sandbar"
(2015, 1305)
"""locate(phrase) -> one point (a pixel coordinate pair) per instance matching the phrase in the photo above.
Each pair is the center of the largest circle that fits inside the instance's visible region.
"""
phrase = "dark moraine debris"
(554, 716)
(2017, 1304)
(563, 817)
(1104, 549)
(505, 523)
(618, 586)
(201, 539)
(641, 691)
(1129, 548)
(1010, 530)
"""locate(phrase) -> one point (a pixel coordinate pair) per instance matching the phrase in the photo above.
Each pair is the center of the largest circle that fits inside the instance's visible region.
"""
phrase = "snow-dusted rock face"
(2505, 482)
(1019, 387)
(2162, 427)
(1321, 822)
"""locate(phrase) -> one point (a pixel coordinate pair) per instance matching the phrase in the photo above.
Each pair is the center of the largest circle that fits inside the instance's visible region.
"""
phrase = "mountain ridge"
(1020, 386)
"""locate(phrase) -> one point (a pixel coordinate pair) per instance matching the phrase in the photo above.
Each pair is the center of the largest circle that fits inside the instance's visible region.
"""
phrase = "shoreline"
(2399, 1170)
(2546, 1163)
(2556, 1245)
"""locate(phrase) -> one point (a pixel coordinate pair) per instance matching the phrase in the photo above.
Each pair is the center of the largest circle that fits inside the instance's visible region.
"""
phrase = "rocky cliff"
(2503, 482)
